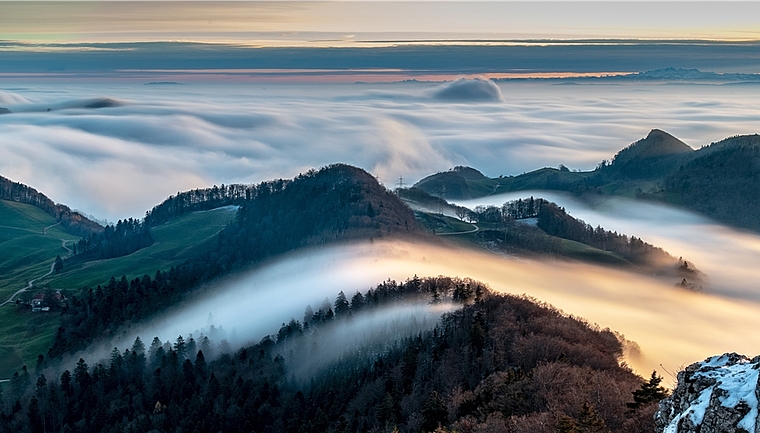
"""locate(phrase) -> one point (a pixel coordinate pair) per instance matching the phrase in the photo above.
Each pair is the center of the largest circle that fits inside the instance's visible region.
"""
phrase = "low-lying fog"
(117, 158)
(729, 257)
(672, 326)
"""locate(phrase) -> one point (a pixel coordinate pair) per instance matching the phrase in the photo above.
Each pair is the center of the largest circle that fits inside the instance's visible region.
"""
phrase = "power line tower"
(400, 184)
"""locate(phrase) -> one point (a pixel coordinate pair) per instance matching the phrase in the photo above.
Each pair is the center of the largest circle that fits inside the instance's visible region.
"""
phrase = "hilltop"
(72, 221)
(181, 238)
(721, 181)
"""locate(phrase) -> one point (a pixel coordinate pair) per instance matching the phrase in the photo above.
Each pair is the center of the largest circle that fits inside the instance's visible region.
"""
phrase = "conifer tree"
(650, 391)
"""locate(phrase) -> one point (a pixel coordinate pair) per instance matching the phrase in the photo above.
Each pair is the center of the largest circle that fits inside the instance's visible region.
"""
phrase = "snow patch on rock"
(719, 394)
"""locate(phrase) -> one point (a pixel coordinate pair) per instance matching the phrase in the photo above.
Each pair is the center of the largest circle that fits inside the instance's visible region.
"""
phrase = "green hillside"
(28, 253)
(175, 242)
(30, 241)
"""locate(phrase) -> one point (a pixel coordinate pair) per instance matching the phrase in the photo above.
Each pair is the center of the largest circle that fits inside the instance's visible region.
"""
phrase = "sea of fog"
(119, 161)
(666, 327)
(155, 140)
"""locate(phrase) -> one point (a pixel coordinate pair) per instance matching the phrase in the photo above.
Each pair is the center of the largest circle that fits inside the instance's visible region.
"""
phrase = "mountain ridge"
(720, 181)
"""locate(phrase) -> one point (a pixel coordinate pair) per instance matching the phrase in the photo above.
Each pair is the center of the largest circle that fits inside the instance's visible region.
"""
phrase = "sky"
(349, 23)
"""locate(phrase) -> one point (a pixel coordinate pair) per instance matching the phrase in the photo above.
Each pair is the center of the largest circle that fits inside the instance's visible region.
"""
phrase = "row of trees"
(509, 211)
(124, 238)
(72, 221)
(555, 221)
(203, 199)
(500, 364)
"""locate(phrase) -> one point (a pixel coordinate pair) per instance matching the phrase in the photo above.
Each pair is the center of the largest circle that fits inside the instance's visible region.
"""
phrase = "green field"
(29, 242)
(28, 254)
(443, 224)
(578, 251)
(175, 242)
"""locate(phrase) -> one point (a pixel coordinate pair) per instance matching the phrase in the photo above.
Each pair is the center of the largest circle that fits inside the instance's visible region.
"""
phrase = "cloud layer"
(673, 327)
(118, 161)
(469, 90)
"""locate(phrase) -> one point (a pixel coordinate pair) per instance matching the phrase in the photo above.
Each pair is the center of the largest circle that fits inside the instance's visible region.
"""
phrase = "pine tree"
(650, 391)
(341, 305)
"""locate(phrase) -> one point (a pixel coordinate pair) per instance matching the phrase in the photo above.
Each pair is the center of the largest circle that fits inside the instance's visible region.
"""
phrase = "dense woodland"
(73, 222)
(336, 203)
(498, 364)
(124, 238)
(552, 220)
(723, 183)
(720, 181)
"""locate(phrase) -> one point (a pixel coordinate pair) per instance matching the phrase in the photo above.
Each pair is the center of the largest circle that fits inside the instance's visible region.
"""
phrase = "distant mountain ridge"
(721, 181)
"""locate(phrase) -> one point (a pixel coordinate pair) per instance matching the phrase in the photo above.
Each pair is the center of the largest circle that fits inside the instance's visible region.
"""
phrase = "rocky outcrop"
(717, 395)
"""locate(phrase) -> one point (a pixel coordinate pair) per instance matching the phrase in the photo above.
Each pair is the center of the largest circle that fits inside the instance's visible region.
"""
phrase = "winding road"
(460, 233)
(30, 284)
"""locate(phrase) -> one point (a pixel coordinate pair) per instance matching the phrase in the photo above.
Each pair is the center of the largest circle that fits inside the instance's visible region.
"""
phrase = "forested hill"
(721, 181)
(335, 203)
(496, 364)
(73, 222)
(338, 202)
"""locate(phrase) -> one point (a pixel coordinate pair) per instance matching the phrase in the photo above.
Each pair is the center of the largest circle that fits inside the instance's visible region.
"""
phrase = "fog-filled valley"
(327, 280)
(666, 325)
(145, 142)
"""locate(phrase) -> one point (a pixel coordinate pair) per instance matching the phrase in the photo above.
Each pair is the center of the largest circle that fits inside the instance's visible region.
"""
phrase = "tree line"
(124, 238)
(203, 199)
(74, 222)
(499, 364)
(555, 221)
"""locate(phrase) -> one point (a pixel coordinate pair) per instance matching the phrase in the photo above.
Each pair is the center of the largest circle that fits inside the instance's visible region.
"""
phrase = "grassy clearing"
(175, 242)
(578, 251)
(443, 224)
(23, 334)
(28, 245)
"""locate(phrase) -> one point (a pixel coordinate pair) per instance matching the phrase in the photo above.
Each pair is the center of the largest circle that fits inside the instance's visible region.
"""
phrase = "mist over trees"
(719, 180)
(498, 364)
(555, 221)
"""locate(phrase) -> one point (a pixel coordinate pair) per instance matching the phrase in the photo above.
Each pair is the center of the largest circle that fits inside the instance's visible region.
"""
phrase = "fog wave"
(672, 327)
(121, 160)
(469, 90)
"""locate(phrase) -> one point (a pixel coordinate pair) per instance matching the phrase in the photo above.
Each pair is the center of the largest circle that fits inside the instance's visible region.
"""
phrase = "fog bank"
(672, 326)
(118, 159)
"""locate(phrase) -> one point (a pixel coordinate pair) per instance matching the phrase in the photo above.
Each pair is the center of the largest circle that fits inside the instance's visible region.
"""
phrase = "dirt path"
(44, 230)
(30, 284)
(460, 233)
